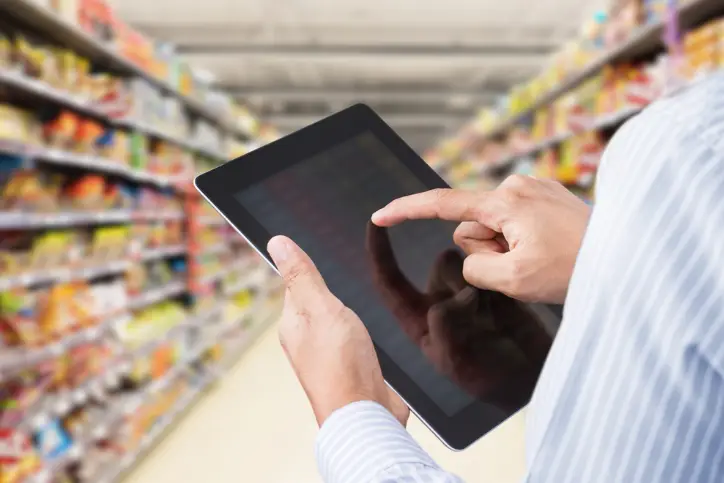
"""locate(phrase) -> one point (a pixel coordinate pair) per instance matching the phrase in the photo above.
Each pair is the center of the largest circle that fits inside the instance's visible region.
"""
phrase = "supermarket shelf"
(20, 220)
(268, 316)
(72, 455)
(102, 426)
(173, 333)
(44, 91)
(212, 249)
(174, 139)
(16, 359)
(71, 36)
(645, 41)
(602, 122)
(98, 429)
(115, 471)
(157, 295)
(238, 266)
(12, 360)
(60, 275)
(150, 254)
(256, 278)
(211, 221)
(103, 165)
(60, 404)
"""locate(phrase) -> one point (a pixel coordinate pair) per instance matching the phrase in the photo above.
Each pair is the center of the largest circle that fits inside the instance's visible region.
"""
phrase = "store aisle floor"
(256, 426)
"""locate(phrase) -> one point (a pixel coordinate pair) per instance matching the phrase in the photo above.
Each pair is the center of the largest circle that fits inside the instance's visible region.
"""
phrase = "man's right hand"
(522, 239)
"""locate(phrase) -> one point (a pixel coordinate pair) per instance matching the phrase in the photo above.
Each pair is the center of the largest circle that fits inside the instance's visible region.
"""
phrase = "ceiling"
(424, 65)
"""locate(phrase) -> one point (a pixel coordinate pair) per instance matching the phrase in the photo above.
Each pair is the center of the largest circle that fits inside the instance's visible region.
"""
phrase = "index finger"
(444, 204)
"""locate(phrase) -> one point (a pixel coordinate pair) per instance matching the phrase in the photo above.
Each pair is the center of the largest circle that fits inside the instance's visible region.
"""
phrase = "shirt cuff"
(362, 440)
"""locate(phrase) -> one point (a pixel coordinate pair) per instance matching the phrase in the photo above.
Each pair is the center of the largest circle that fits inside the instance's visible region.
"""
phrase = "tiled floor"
(256, 426)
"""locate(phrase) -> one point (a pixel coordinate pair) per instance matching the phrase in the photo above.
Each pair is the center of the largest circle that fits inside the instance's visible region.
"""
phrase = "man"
(633, 388)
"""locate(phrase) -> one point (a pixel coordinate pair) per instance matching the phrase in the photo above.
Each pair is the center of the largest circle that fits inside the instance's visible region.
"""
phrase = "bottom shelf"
(116, 471)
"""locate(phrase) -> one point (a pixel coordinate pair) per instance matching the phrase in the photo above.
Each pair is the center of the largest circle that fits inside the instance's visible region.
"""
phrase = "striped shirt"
(633, 389)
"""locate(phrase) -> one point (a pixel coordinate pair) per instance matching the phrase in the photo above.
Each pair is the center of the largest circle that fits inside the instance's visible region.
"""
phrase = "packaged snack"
(6, 49)
(18, 325)
(174, 233)
(86, 193)
(86, 136)
(27, 57)
(82, 87)
(17, 458)
(60, 131)
(17, 125)
(51, 249)
(109, 243)
(64, 308)
(159, 274)
(20, 393)
(52, 441)
(138, 151)
(68, 76)
(136, 279)
(105, 142)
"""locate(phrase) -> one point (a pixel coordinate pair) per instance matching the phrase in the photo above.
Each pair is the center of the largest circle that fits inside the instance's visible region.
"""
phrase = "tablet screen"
(457, 344)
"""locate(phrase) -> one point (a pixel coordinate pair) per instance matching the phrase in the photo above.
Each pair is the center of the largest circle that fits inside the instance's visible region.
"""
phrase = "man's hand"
(490, 345)
(326, 343)
(521, 239)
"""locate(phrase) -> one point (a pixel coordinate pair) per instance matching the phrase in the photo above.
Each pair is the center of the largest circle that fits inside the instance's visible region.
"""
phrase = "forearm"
(364, 443)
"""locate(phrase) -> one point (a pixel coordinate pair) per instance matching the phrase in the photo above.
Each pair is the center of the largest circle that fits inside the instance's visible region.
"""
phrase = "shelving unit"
(641, 44)
(70, 36)
(647, 39)
(205, 317)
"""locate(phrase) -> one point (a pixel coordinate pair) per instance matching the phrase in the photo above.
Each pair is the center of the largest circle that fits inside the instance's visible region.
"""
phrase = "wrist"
(326, 407)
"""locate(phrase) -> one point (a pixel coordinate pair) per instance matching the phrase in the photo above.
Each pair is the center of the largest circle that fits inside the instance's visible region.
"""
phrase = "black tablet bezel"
(219, 185)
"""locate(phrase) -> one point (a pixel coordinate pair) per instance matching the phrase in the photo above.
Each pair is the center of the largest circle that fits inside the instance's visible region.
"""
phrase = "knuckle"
(517, 183)
(295, 274)
(440, 193)
(515, 284)
(510, 197)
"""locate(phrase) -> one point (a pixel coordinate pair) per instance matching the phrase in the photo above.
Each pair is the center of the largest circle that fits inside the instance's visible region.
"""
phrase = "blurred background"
(136, 329)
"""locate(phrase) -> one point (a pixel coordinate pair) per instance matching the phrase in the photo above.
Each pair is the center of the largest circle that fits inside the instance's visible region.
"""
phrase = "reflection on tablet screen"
(457, 343)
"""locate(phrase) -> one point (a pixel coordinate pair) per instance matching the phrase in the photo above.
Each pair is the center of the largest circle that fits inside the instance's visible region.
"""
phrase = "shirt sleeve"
(364, 443)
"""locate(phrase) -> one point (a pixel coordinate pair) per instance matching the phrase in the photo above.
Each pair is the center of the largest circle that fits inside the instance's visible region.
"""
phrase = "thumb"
(303, 281)
(490, 270)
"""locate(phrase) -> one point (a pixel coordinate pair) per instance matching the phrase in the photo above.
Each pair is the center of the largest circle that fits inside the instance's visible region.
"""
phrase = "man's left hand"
(328, 346)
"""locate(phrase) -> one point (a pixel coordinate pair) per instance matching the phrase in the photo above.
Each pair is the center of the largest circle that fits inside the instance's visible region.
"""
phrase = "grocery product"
(52, 441)
(18, 461)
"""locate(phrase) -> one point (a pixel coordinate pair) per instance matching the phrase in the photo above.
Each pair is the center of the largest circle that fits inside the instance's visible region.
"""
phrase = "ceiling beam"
(316, 49)
(368, 95)
(397, 120)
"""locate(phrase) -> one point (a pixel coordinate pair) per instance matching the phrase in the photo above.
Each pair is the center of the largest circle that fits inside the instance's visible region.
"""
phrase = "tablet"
(463, 359)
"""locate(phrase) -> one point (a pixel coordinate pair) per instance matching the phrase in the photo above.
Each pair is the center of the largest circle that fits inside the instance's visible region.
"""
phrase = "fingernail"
(377, 215)
(278, 249)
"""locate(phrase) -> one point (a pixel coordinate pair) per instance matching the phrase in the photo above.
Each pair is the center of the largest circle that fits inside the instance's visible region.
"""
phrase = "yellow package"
(14, 124)
(50, 249)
